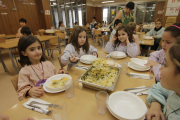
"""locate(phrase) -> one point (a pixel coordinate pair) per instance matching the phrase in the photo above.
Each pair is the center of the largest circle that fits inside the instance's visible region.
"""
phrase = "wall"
(31, 12)
(159, 7)
(90, 13)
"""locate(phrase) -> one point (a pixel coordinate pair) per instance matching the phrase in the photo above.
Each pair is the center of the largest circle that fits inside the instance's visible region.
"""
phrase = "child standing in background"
(123, 41)
(62, 28)
(164, 97)
(22, 23)
(132, 26)
(35, 69)
(77, 47)
(117, 24)
(156, 59)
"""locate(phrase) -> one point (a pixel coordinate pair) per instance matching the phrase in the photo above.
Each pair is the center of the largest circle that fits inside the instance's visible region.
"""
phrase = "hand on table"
(94, 54)
(151, 63)
(73, 58)
(62, 71)
(155, 114)
(36, 92)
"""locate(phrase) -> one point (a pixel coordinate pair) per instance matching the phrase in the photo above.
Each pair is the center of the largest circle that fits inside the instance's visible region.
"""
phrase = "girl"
(164, 97)
(78, 46)
(62, 28)
(156, 59)
(123, 41)
(135, 37)
(35, 69)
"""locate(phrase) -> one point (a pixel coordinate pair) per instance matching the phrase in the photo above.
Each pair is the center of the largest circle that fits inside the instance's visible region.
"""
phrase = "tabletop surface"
(83, 105)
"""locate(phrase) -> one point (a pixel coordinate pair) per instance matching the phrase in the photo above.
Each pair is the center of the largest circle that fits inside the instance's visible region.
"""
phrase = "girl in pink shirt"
(35, 69)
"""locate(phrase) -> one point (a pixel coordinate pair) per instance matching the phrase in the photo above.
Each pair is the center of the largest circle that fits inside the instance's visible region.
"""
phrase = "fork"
(46, 112)
(139, 91)
(50, 105)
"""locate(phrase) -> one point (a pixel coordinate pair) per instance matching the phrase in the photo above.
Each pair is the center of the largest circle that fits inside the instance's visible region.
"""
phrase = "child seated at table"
(95, 27)
(139, 27)
(22, 23)
(99, 25)
(76, 24)
(62, 28)
(117, 23)
(77, 47)
(156, 59)
(135, 37)
(26, 31)
(156, 33)
(123, 41)
(35, 68)
(164, 97)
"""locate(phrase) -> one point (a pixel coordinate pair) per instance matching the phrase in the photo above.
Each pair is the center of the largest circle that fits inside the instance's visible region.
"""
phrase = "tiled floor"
(8, 96)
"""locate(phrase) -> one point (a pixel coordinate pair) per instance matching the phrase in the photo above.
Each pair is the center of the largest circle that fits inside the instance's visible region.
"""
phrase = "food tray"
(99, 87)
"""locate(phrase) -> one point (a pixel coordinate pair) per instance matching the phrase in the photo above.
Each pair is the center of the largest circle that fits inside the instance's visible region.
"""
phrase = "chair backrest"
(59, 58)
(171, 19)
(2, 38)
(97, 32)
(54, 40)
(37, 32)
(14, 81)
(41, 32)
(56, 32)
(61, 35)
(71, 29)
(106, 38)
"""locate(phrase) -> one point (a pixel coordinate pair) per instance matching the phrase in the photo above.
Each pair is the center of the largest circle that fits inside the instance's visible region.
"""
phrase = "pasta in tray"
(58, 83)
(101, 74)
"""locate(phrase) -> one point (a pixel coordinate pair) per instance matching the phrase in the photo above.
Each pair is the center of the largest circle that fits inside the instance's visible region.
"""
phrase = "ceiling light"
(54, 4)
(107, 1)
(69, 2)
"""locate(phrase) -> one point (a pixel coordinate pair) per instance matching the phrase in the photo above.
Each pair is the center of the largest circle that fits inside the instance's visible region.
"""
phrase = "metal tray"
(99, 87)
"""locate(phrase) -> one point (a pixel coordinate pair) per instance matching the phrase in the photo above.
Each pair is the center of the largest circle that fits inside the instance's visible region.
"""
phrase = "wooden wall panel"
(159, 7)
(90, 13)
(9, 24)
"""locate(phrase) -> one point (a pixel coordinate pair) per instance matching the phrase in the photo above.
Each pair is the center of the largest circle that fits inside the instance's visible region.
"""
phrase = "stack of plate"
(87, 59)
(117, 54)
(124, 105)
(147, 37)
(54, 77)
(138, 64)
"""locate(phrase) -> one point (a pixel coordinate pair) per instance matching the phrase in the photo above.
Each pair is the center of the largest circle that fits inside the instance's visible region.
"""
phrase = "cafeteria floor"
(8, 95)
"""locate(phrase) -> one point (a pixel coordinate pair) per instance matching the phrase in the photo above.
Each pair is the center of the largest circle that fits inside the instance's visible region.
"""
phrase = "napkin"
(141, 41)
(37, 100)
(81, 67)
(143, 76)
(140, 93)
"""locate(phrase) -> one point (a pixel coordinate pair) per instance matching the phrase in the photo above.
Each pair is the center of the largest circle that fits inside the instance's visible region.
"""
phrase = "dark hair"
(175, 31)
(132, 26)
(23, 43)
(126, 29)
(117, 21)
(174, 55)
(140, 23)
(130, 5)
(26, 30)
(74, 39)
(94, 18)
(75, 23)
(95, 24)
(22, 20)
(60, 22)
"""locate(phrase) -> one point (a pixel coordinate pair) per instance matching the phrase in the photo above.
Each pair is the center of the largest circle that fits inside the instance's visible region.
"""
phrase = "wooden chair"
(106, 39)
(71, 30)
(2, 38)
(59, 59)
(61, 38)
(41, 32)
(98, 36)
(14, 81)
(56, 32)
(37, 32)
(53, 46)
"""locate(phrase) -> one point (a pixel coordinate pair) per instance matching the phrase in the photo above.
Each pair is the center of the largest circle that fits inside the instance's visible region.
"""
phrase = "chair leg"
(52, 53)
(4, 66)
(51, 56)
(16, 62)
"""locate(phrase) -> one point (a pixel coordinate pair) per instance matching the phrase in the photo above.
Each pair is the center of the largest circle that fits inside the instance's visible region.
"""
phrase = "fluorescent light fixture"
(83, 4)
(69, 2)
(107, 1)
(54, 4)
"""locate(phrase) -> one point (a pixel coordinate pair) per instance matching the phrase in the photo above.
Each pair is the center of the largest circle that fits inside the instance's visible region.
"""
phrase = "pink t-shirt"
(27, 77)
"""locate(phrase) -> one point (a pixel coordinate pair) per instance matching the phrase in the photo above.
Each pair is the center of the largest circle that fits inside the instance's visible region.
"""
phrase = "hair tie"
(176, 26)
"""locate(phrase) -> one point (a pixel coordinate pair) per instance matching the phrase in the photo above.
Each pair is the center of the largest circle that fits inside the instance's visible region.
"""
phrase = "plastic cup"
(69, 88)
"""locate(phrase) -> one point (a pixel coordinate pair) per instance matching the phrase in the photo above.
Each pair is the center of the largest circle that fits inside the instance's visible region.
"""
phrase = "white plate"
(116, 64)
(55, 77)
(139, 63)
(117, 54)
(87, 59)
(130, 64)
(49, 91)
(126, 105)
(147, 37)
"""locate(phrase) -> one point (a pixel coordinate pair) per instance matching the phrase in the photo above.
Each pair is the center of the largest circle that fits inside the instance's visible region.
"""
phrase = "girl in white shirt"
(62, 28)
(77, 47)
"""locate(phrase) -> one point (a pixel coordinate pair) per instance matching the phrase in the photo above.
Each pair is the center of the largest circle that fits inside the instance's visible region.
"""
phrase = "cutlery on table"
(139, 91)
(135, 88)
(50, 105)
(46, 112)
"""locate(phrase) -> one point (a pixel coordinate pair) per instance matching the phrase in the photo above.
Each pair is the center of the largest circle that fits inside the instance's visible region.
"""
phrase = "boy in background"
(117, 24)
(26, 31)
(22, 22)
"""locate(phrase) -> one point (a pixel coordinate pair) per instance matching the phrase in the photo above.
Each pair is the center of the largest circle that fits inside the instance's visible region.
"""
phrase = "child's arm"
(132, 49)
(150, 33)
(19, 33)
(110, 45)
(93, 51)
(159, 35)
(136, 40)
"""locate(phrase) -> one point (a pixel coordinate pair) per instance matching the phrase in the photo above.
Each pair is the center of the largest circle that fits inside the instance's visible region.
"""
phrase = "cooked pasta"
(101, 74)
(58, 83)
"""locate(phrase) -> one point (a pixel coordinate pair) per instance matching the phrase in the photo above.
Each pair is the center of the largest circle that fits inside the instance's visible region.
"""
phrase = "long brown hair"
(74, 39)
(23, 43)
(174, 54)
(125, 28)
